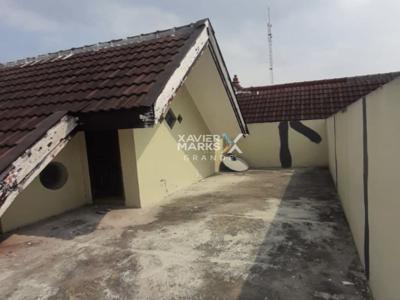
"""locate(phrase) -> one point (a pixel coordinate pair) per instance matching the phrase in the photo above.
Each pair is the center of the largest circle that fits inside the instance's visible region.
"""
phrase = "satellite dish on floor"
(234, 163)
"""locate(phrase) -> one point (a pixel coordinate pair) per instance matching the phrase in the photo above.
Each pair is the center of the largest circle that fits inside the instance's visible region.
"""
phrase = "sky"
(312, 39)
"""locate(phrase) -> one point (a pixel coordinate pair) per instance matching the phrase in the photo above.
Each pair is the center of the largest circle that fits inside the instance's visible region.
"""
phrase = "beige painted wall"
(209, 95)
(330, 135)
(129, 167)
(383, 127)
(261, 147)
(162, 168)
(383, 114)
(349, 168)
(37, 202)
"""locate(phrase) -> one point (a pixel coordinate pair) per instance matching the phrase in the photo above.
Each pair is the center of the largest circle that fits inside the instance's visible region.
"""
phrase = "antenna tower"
(271, 64)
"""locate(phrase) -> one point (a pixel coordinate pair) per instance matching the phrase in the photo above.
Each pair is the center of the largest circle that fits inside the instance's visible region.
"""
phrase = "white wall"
(37, 202)
(261, 147)
(383, 127)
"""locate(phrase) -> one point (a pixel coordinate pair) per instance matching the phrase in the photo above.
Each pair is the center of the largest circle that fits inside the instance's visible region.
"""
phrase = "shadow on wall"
(308, 251)
(284, 154)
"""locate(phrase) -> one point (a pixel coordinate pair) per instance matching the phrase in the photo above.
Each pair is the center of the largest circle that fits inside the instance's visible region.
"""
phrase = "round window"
(54, 176)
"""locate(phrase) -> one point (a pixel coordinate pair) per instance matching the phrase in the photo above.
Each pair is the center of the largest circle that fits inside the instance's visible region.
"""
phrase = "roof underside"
(306, 100)
(119, 76)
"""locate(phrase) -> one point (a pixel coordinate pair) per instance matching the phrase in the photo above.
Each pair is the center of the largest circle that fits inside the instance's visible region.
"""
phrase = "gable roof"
(116, 76)
(306, 100)
(125, 83)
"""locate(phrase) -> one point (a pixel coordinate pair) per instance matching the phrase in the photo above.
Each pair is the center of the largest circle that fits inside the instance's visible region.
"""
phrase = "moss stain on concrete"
(264, 234)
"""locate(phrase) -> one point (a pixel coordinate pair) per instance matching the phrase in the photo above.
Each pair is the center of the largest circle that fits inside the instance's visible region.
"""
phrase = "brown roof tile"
(116, 76)
(306, 100)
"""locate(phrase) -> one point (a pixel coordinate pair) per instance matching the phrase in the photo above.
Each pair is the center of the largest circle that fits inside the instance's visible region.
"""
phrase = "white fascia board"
(179, 76)
(25, 168)
(225, 74)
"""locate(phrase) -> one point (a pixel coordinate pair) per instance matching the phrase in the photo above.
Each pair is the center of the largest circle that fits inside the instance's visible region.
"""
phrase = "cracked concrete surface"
(263, 234)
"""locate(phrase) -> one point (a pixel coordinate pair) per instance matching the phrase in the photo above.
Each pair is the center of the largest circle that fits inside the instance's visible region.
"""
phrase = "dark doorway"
(104, 166)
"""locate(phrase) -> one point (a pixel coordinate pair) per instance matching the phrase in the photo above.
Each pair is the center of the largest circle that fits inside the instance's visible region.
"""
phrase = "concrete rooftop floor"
(268, 234)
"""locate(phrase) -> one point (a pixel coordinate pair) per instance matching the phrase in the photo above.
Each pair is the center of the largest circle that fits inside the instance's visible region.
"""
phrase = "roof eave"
(166, 90)
(47, 141)
(223, 70)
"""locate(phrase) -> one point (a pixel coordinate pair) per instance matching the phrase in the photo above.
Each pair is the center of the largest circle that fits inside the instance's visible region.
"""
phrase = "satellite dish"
(234, 163)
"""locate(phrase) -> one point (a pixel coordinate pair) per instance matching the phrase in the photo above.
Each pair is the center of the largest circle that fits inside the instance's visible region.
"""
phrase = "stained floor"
(263, 234)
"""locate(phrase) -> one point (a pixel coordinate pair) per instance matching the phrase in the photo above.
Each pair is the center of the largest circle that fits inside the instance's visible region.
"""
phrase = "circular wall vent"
(54, 176)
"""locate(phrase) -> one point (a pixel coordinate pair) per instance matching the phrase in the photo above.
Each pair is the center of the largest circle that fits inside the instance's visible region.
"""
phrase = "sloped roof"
(119, 75)
(306, 100)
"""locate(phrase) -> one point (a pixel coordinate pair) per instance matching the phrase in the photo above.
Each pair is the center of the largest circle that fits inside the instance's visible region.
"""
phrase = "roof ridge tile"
(316, 99)
(366, 77)
(64, 54)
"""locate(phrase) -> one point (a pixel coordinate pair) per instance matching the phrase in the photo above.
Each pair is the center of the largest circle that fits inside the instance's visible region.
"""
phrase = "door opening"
(104, 166)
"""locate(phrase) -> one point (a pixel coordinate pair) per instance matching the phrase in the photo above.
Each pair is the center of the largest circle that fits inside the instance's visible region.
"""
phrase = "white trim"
(214, 45)
(175, 81)
(177, 78)
(35, 159)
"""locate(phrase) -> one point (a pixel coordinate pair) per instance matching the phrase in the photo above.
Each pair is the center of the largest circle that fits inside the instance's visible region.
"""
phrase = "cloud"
(246, 53)
(318, 39)
(13, 16)
(57, 26)
(122, 19)
(311, 39)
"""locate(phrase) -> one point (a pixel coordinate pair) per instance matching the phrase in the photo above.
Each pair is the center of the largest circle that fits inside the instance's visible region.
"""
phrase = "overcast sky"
(312, 39)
